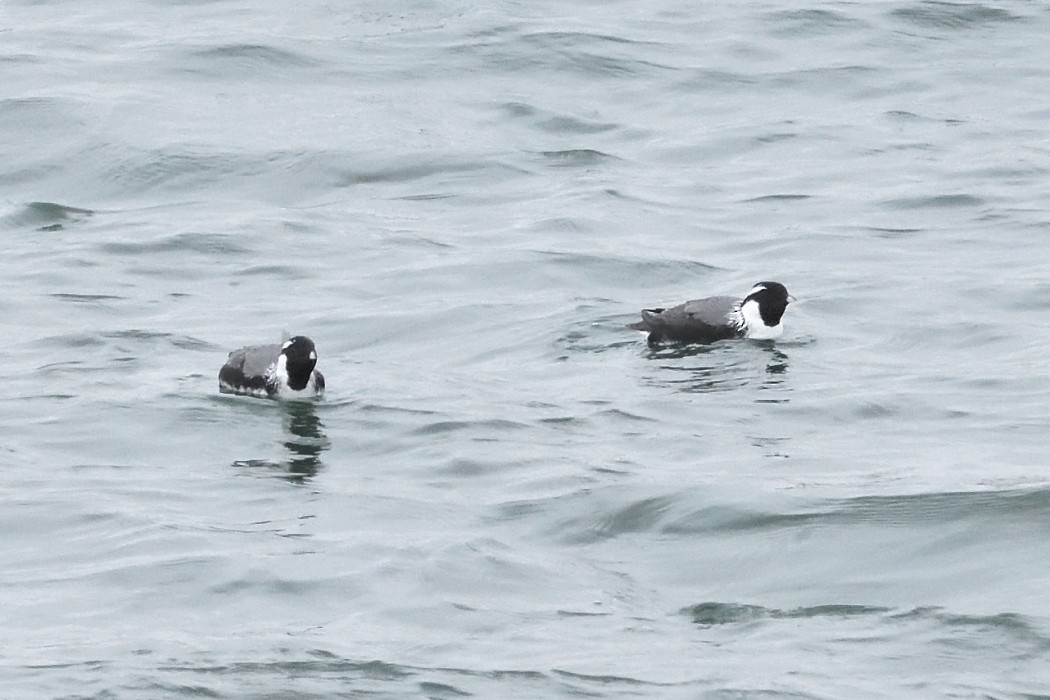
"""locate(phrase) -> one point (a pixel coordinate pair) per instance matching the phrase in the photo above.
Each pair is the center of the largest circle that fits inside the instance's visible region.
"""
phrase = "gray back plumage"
(713, 311)
(253, 361)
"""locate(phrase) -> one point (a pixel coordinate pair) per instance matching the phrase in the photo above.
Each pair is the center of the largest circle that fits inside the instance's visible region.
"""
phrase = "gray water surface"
(505, 493)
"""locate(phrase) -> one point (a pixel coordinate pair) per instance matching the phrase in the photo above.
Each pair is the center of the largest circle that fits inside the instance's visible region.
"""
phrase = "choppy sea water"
(505, 493)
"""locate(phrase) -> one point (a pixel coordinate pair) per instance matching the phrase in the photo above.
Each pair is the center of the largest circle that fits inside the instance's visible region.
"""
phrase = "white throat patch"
(281, 370)
(754, 326)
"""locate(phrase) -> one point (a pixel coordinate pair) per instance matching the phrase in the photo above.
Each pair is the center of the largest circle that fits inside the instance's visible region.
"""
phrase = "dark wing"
(697, 321)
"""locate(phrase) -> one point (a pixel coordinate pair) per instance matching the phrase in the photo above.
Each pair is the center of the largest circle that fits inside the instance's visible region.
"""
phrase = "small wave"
(287, 272)
(254, 60)
(710, 614)
(612, 679)
(257, 52)
(589, 517)
(707, 79)
(449, 426)
(80, 340)
(631, 272)
(555, 123)
(573, 125)
(777, 137)
(85, 298)
(57, 211)
(591, 54)
(785, 197)
(939, 507)
(410, 170)
(940, 201)
(641, 515)
(892, 232)
(952, 15)
(834, 76)
(906, 116)
(577, 157)
(588, 54)
(187, 168)
(811, 22)
(207, 243)
(1012, 624)
(904, 511)
(45, 216)
(955, 629)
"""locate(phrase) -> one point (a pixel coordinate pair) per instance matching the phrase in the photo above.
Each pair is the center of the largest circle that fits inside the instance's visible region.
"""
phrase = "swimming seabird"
(758, 315)
(273, 371)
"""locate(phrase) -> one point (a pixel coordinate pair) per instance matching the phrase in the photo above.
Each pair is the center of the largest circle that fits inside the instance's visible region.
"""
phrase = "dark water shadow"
(304, 439)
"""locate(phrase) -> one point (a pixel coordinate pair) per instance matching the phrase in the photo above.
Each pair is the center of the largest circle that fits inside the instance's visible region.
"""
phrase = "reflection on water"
(721, 367)
(776, 371)
(304, 438)
(778, 362)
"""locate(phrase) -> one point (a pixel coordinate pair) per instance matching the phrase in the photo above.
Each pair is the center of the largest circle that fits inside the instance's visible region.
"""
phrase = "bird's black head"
(300, 360)
(772, 298)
